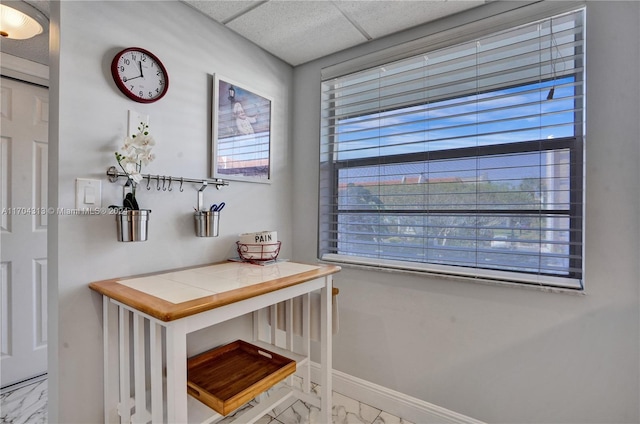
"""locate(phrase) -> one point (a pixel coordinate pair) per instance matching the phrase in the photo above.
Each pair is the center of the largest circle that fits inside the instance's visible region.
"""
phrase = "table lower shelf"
(229, 376)
(201, 413)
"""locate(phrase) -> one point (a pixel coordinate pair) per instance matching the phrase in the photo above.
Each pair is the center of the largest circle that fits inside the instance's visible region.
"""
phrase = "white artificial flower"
(143, 140)
(132, 170)
(128, 143)
(136, 152)
(129, 166)
(145, 156)
(136, 177)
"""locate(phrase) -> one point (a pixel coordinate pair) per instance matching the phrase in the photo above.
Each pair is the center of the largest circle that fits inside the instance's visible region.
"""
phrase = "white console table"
(146, 320)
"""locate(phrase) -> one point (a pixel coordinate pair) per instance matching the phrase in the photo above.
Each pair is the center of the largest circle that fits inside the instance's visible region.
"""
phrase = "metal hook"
(169, 188)
(158, 179)
(112, 172)
(181, 181)
(148, 181)
(201, 195)
(220, 183)
(164, 181)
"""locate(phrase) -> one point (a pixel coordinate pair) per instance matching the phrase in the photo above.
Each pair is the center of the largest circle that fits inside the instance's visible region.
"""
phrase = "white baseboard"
(391, 401)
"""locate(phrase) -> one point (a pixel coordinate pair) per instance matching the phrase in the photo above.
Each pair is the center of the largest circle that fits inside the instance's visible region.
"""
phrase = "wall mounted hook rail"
(113, 174)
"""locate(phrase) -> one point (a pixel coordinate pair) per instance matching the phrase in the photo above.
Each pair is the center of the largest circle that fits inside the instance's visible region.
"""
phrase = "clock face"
(140, 75)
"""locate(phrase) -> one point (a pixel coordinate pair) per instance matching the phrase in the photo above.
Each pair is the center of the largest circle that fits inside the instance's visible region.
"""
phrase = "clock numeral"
(141, 94)
(126, 62)
(150, 94)
(131, 89)
(133, 57)
(124, 79)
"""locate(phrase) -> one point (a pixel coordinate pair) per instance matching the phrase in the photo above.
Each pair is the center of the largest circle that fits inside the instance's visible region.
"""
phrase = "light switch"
(88, 193)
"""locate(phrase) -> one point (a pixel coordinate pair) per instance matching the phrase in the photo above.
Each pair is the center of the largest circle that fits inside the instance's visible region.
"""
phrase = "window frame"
(572, 280)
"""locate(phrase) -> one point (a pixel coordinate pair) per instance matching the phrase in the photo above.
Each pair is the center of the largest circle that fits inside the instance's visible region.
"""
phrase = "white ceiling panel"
(380, 18)
(223, 11)
(298, 31)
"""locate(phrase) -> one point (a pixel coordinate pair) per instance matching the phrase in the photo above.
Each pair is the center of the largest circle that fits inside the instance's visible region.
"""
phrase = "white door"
(23, 236)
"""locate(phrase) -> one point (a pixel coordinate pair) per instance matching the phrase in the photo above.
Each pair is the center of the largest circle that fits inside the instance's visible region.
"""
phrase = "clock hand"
(129, 79)
(140, 65)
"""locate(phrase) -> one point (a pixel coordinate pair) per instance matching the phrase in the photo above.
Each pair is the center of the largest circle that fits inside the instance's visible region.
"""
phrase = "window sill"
(495, 278)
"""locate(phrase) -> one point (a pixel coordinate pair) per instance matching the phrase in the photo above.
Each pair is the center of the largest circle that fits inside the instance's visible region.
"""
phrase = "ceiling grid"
(296, 31)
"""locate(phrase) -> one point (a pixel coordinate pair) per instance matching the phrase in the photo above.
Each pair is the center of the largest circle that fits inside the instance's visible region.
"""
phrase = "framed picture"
(241, 132)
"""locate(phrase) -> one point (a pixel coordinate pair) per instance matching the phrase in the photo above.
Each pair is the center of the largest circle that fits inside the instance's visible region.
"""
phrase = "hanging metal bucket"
(207, 223)
(133, 225)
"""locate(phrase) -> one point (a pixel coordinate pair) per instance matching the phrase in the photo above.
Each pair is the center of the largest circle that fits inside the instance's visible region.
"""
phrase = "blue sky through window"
(498, 117)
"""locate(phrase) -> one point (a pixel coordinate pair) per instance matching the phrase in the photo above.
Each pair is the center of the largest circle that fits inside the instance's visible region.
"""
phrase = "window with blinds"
(465, 160)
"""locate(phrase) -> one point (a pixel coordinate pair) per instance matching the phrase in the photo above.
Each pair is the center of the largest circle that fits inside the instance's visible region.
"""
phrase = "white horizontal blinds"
(467, 80)
(461, 156)
(487, 212)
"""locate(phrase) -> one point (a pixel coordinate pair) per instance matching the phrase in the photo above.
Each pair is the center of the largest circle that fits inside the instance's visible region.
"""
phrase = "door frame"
(24, 70)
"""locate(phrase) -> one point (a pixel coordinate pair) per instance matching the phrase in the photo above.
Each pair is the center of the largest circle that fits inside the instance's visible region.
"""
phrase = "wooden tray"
(229, 376)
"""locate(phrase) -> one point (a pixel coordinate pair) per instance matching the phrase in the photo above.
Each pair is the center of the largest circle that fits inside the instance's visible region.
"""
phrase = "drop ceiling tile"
(220, 10)
(379, 18)
(298, 31)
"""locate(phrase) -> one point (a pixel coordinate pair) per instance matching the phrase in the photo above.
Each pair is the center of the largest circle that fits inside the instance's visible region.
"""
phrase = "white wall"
(90, 126)
(494, 353)
(503, 354)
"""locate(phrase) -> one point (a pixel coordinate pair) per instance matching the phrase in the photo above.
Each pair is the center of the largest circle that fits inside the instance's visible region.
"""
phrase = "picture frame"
(241, 133)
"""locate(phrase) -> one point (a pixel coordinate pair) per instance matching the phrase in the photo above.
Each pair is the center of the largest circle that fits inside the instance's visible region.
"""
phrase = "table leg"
(176, 372)
(155, 372)
(124, 406)
(306, 340)
(105, 356)
(326, 350)
(140, 399)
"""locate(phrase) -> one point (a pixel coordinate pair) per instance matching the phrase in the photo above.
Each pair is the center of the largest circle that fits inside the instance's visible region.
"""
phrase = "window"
(465, 160)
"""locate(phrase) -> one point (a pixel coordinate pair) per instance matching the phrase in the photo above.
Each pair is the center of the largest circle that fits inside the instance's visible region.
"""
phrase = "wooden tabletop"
(173, 294)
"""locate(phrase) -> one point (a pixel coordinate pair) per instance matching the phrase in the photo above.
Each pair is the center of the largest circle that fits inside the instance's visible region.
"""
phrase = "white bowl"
(261, 237)
(262, 245)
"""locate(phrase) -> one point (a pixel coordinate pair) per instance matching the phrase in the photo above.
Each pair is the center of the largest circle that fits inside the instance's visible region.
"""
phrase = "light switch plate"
(88, 193)
(135, 118)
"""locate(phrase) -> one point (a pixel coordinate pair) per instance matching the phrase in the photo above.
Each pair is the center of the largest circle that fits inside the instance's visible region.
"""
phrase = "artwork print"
(241, 132)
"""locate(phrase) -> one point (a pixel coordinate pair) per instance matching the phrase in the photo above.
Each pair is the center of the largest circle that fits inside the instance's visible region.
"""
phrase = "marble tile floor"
(27, 403)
